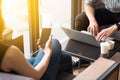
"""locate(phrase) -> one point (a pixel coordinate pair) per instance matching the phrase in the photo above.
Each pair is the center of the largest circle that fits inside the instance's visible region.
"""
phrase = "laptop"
(82, 36)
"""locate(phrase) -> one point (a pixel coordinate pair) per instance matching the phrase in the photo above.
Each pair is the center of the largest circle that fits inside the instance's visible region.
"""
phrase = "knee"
(67, 57)
(56, 46)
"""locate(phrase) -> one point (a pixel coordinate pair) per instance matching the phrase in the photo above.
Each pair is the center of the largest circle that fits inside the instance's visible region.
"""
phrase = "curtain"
(33, 10)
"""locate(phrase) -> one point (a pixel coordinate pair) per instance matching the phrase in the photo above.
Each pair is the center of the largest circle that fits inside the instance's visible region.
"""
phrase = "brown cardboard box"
(101, 69)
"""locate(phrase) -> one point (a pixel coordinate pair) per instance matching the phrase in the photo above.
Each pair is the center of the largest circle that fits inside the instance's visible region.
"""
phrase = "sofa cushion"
(8, 76)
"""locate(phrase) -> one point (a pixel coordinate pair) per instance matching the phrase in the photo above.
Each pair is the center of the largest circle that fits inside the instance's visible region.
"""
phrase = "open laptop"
(81, 36)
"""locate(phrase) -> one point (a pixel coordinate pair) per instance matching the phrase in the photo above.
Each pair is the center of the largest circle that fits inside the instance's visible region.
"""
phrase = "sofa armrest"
(8, 76)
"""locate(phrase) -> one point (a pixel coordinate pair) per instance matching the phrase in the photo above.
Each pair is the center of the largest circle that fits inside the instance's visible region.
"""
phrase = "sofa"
(9, 76)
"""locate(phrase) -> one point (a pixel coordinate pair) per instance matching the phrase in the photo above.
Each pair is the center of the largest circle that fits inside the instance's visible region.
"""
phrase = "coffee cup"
(111, 43)
(104, 47)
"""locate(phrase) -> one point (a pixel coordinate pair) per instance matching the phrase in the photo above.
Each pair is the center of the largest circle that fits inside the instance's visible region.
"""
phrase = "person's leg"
(66, 63)
(104, 16)
(31, 60)
(52, 69)
(35, 60)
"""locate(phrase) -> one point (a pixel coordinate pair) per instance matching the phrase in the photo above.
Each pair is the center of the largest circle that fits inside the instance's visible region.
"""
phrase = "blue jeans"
(60, 62)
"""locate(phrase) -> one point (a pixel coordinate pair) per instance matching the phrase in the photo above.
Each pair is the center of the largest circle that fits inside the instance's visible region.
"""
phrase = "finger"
(38, 41)
(91, 31)
(88, 29)
(98, 37)
(94, 31)
(41, 46)
(102, 37)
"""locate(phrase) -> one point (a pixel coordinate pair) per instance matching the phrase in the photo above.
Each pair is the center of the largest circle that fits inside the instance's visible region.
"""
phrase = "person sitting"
(94, 17)
(49, 62)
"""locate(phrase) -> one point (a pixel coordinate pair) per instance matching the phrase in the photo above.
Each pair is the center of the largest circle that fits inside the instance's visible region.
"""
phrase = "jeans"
(104, 17)
(60, 62)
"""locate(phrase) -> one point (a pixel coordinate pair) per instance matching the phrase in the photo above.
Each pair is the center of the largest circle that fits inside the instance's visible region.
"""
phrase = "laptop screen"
(81, 36)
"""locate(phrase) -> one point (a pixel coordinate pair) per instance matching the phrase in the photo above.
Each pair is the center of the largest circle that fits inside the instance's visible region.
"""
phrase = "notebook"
(82, 36)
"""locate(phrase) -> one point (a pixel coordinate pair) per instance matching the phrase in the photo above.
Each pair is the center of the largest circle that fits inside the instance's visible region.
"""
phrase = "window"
(52, 12)
(55, 13)
(15, 14)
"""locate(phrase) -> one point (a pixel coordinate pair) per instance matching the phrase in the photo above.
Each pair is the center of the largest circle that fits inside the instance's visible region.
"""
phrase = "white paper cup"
(112, 43)
(108, 45)
(104, 48)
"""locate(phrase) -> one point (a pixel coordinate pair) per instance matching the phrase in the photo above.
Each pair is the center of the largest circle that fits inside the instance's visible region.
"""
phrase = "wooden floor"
(116, 58)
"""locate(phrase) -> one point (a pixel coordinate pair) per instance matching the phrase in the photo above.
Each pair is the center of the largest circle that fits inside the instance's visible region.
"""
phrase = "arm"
(102, 35)
(14, 60)
(90, 12)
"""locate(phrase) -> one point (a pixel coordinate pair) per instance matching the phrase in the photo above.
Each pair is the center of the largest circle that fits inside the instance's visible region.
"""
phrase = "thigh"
(104, 16)
(65, 63)
(53, 66)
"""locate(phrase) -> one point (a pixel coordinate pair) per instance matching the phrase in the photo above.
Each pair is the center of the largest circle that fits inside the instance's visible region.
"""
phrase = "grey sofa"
(9, 76)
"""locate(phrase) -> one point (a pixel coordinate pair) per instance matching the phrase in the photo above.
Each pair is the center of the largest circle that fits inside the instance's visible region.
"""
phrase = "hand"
(48, 46)
(106, 33)
(38, 43)
(93, 28)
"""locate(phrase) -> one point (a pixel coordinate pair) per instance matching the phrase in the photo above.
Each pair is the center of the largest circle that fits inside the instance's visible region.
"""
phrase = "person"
(107, 15)
(49, 62)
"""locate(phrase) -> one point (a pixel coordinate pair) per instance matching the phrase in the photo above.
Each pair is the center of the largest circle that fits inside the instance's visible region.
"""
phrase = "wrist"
(118, 26)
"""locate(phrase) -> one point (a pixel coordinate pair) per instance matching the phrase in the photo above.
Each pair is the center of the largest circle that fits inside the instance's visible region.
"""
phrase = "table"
(85, 51)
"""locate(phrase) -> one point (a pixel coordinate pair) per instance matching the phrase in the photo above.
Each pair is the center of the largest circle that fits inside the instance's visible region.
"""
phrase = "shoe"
(75, 63)
(83, 63)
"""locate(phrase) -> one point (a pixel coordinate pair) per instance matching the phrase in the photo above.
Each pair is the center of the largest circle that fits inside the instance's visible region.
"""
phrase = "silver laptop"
(81, 36)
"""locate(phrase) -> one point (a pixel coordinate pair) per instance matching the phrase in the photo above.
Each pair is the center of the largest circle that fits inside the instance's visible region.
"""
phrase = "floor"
(116, 58)
(76, 69)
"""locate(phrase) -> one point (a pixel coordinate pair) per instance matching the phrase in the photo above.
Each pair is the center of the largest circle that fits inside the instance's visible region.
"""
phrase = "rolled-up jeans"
(60, 62)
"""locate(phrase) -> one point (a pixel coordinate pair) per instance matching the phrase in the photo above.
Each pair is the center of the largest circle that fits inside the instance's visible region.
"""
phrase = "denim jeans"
(60, 62)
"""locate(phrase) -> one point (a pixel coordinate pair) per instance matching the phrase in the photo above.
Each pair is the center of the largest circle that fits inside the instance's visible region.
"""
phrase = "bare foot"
(48, 46)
